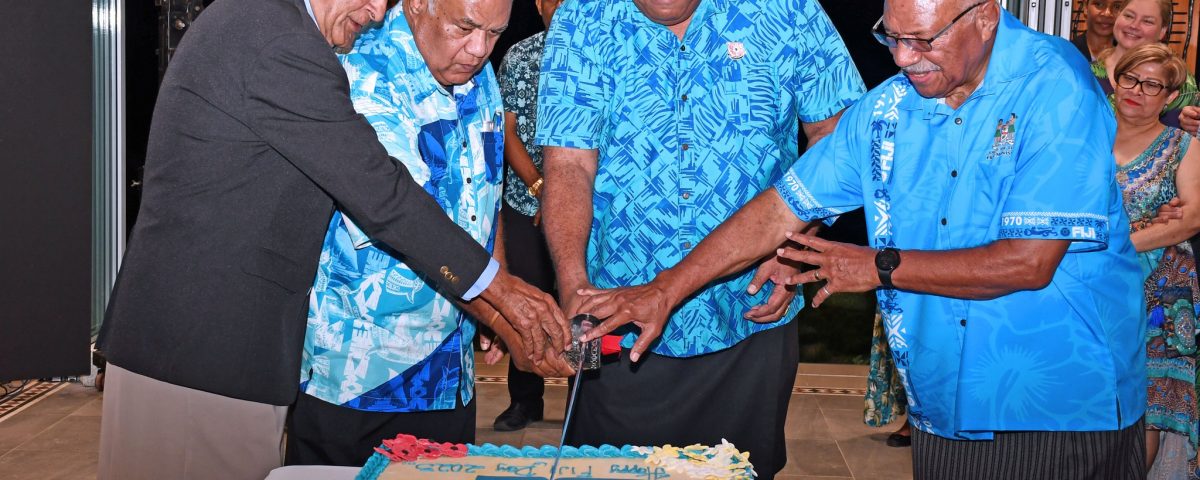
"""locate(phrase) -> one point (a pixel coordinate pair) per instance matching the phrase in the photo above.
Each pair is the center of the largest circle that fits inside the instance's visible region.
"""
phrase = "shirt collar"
(1011, 53)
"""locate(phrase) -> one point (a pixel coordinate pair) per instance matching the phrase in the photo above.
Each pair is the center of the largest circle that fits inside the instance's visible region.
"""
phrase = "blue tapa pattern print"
(380, 337)
(688, 132)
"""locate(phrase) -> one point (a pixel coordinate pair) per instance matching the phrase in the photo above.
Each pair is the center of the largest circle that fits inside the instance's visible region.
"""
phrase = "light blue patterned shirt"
(1026, 156)
(687, 131)
(380, 337)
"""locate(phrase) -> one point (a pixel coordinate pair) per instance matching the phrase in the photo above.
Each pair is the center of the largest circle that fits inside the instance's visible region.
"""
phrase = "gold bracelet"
(536, 188)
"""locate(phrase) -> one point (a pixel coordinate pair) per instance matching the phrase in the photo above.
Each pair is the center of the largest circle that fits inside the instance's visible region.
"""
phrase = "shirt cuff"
(485, 279)
(1086, 231)
(801, 202)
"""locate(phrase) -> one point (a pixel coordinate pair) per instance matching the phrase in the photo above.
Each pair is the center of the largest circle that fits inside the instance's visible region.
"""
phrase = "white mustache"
(921, 68)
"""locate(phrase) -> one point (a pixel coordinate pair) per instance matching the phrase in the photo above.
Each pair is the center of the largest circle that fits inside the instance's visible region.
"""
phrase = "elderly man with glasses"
(1001, 259)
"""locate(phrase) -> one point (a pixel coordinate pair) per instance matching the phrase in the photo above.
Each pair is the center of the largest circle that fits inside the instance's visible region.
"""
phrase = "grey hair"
(430, 5)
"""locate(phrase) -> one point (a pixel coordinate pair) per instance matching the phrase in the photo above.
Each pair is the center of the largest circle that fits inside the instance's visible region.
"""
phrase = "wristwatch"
(886, 261)
(536, 188)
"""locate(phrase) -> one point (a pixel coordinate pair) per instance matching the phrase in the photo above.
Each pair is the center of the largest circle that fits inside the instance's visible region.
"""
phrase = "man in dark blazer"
(254, 140)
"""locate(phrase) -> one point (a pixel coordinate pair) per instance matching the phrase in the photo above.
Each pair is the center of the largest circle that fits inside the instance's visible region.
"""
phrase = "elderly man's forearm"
(982, 273)
(567, 212)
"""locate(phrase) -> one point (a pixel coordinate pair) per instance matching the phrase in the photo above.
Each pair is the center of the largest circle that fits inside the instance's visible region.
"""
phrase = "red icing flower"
(407, 448)
(401, 449)
(456, 450)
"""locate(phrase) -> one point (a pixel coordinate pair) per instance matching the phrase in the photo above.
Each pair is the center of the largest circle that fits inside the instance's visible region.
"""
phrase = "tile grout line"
(61, 419)
(35, 435)
(836, 442)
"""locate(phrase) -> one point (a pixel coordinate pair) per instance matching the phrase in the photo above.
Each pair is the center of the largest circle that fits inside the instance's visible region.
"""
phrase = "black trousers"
(1105, 455)
(528, 259)
(321, 433)
(740, 394)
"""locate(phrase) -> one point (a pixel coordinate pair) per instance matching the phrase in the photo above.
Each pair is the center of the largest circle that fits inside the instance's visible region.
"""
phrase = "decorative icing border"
(547, 451)
(694, 459)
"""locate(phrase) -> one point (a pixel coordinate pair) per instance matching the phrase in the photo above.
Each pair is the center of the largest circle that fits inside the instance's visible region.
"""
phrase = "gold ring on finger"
(826, 290)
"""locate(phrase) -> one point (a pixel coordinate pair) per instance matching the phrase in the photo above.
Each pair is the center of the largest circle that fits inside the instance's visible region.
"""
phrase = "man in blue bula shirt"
(1002, 258)
(385, 352)
(659, 119)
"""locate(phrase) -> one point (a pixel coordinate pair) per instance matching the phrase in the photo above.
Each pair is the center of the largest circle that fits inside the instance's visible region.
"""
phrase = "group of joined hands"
(536, 331)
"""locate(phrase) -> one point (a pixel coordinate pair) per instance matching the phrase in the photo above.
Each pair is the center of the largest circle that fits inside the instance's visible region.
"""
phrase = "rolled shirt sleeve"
(827, 80)
(572, 91)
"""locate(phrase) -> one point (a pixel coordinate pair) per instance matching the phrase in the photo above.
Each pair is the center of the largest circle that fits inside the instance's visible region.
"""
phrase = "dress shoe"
(898, 440)
(518, 416)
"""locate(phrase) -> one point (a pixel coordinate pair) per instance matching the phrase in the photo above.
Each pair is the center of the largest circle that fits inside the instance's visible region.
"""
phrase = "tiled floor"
(56, 438)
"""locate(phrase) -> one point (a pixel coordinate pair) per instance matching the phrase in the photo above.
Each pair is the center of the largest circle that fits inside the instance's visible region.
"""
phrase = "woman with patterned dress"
(1144, 22)
(1156, 163)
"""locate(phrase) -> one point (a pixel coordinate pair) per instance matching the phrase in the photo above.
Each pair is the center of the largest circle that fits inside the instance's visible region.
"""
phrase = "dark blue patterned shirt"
(519, 86)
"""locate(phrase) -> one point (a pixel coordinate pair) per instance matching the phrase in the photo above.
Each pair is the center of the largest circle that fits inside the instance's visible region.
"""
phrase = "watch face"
(887, 259)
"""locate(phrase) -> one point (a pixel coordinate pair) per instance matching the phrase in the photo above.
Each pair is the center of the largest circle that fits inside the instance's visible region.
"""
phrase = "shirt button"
(683, 48)
(687, 244)
(943, 221)
(958, 121)
(963, 322)
(953, 173)
(684, 97)
(685, 147)
(687, 195)
(472, 218)
(468, 181)
(464, 144)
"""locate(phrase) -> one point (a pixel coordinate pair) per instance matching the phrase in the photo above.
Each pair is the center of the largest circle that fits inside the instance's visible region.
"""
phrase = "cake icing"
(409, 457)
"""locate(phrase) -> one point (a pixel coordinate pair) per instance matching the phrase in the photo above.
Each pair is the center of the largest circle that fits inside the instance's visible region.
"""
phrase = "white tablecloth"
(313, 472)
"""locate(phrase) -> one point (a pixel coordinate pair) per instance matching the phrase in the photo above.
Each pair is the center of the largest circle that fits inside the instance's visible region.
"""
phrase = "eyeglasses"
(1149, 87)
(917, 44)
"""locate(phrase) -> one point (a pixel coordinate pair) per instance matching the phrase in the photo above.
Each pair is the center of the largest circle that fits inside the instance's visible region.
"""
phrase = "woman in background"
(1144, 22)
(1156, 163)
(1099, 34)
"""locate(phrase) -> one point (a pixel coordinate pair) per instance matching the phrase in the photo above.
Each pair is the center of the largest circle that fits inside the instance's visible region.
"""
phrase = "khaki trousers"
(151, 429)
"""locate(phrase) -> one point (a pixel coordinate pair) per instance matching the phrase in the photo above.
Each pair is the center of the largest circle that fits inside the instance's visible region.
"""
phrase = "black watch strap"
(886, 261)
